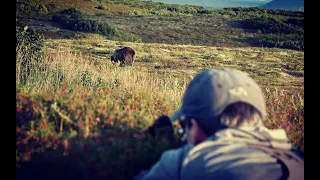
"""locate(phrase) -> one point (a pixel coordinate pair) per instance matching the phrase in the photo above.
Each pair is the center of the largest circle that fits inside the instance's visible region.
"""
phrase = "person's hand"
(162, 122)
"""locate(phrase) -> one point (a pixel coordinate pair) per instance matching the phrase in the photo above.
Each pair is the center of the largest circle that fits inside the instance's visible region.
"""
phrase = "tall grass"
(80, 115)
(62, 67)
(101, 107)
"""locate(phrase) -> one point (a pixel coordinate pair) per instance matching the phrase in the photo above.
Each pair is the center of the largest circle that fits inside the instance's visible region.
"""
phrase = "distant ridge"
(294, 5)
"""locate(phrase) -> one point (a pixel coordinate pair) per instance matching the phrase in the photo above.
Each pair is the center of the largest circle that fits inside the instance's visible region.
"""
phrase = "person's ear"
(198, 134)
(195, 125)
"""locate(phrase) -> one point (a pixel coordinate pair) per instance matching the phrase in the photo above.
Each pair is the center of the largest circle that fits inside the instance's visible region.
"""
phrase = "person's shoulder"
(168, 167)
(176, 155)
(227, 160)
(172, 159)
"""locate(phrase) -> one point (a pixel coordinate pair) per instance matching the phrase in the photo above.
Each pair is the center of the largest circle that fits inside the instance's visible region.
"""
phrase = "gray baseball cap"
(211, 91)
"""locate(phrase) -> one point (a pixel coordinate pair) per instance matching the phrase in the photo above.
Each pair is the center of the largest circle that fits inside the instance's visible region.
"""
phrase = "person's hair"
(241, 114)
(235, 115)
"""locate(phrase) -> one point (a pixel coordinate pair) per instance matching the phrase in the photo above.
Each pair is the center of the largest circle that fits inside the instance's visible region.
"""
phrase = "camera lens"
(180, 131)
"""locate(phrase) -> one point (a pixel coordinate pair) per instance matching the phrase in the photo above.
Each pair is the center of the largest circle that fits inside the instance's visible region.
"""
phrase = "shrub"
(64, 137)
(74, 21)
(272, 25)
(27, 9)
(29, 50)
(71, 13)
(291, 41)
(43, 10)
(29, 42)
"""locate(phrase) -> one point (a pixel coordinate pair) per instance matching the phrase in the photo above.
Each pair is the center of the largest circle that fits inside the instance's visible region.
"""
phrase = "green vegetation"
(29, 45)
(159, 8)
(30, 9)
(73, 20)
(279, 33)
(166, 23)
(81, 105)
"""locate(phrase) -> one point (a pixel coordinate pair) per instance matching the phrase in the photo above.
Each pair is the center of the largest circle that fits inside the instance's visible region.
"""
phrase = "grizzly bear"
(125, 55)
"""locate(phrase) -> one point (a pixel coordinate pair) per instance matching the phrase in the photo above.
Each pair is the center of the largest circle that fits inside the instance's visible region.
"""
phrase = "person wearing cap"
(223, 113)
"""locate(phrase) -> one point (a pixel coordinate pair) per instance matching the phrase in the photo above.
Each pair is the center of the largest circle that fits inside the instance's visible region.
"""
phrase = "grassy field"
(80, 116)
(76, 103)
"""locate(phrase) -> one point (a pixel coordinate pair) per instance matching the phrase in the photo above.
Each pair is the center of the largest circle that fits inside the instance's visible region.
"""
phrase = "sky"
(217, 3)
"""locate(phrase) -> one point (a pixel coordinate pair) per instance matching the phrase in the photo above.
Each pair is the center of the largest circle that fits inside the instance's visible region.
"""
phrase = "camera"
(163, 127)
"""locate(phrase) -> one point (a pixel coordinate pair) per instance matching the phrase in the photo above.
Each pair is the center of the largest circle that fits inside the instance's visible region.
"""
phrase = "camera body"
(163, 127)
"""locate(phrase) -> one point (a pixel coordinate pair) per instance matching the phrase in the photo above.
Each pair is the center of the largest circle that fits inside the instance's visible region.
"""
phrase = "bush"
(71, 13)
(29, 43)
(291, 41)
(76, 22)
(73, 20)
(273, 25)
(64, 137)
(29, 49)
(260, 11)
(27, 9)
(43, 10)
(296, 22)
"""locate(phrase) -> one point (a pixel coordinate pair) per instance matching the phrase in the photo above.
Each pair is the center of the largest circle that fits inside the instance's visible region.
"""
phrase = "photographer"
(223, 113)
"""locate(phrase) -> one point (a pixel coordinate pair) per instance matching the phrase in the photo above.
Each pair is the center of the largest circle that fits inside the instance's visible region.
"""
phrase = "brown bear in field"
(125, 55)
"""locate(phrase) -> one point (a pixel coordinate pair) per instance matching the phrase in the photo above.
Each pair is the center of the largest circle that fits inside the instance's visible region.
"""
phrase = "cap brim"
(178, 114)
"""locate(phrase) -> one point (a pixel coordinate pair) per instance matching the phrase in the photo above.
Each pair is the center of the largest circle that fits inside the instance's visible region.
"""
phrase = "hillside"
(166, 23)
(80, 116)
(293, 5)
